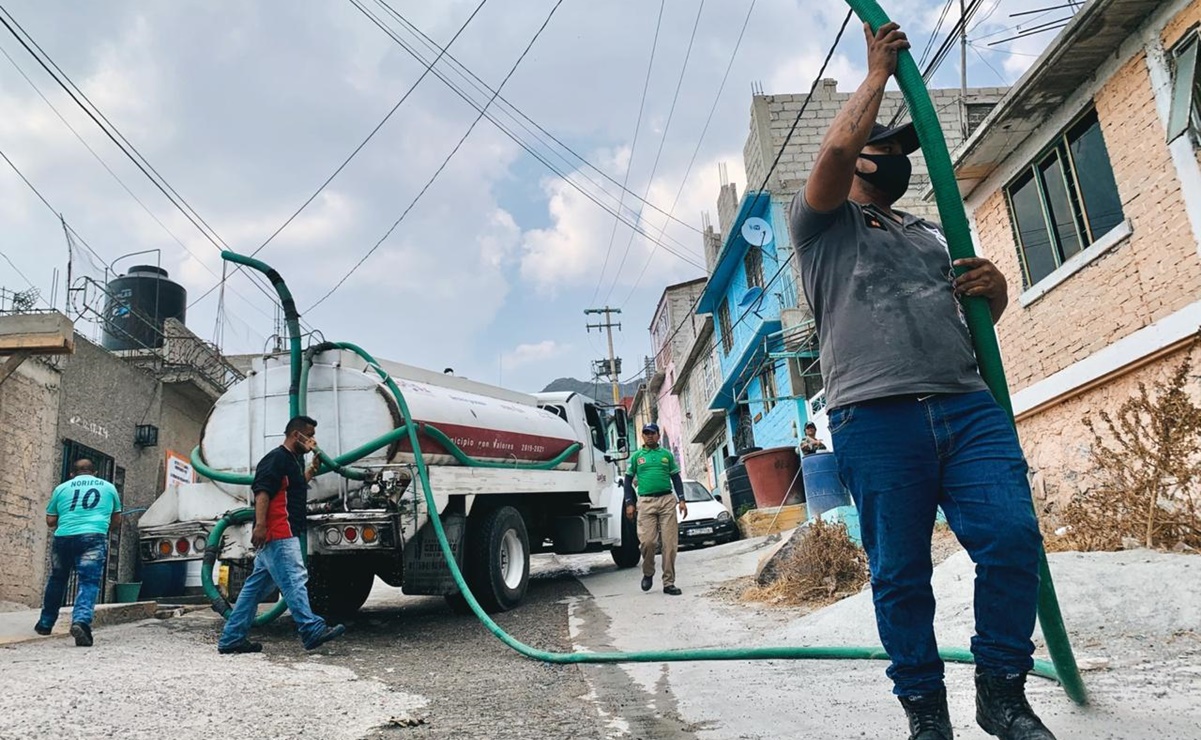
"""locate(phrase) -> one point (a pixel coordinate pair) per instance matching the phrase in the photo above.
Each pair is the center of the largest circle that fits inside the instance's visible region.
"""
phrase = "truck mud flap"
(425, 571)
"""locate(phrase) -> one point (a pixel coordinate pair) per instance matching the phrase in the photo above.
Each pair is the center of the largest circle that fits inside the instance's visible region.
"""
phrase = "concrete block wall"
(772, 117)
(29, 406)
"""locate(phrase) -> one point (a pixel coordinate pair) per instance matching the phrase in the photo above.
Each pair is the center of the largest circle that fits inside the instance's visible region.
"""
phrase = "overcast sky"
(246, 107)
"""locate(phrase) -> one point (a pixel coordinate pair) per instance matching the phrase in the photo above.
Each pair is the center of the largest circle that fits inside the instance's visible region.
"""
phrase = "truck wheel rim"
(512, 560)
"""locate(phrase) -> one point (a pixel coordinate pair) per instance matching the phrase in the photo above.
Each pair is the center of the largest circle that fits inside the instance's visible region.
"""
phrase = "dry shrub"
(1147, 462)
(826, 565)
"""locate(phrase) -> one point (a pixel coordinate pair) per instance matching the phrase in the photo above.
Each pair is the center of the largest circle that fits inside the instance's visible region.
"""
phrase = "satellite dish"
(757, 232)
(751, 297)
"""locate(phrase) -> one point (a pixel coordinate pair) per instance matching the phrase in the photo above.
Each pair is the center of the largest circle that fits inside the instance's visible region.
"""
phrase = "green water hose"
(979, 317)
(1062, 667)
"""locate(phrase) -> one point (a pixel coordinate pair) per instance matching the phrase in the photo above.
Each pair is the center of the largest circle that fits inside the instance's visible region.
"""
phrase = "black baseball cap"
(906, 136)
(650, 429)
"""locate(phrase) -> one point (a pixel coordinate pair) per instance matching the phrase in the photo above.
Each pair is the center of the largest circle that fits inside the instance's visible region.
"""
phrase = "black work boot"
(929, 718)
(1002, 710)
(82, 633)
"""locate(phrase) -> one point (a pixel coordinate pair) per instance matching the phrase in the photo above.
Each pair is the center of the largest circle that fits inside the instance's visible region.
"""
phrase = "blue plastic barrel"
(823, 488)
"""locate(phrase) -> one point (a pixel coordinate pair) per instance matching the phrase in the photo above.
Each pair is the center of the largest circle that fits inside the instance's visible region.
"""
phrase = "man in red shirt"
(281, 486)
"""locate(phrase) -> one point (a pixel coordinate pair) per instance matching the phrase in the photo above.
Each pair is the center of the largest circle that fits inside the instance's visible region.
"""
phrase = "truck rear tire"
(628, 553)
(498, 559)
(338, 586)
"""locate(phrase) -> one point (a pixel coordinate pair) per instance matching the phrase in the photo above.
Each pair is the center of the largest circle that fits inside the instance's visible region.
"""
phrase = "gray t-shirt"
(887, 318)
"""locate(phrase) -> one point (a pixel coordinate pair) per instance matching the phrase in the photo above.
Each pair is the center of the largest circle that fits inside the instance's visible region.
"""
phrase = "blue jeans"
(902, 458)
(279, 563)
(87, 554)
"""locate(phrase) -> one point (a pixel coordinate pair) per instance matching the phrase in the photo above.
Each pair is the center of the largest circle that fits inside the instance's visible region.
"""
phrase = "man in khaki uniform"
(658, 476)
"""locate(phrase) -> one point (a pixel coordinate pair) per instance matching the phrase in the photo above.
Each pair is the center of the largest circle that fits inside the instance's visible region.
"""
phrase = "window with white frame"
(1186, 89)
(1064, 200)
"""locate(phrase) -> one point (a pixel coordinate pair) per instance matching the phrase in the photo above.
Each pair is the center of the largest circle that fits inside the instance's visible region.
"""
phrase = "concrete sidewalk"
(1133, 617)
(17, 626)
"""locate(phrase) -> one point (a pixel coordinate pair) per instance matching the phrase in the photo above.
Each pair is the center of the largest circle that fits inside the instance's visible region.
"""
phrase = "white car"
(708, 522)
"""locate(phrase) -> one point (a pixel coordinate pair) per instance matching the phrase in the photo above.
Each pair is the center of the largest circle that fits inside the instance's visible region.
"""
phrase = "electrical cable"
(445, 161)
(114, 175)
(678, 249)
(650, 180)
(355, 151)
(696, 150)
(112, 132)
(525, 122)
(646, 84)
(760, 192)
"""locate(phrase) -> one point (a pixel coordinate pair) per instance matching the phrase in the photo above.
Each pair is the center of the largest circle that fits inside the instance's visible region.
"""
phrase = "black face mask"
(891, 176)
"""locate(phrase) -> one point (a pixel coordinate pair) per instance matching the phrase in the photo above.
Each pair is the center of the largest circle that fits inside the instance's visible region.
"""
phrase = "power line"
(934, 34)
(356, 150)
(541, 135)
(941, 54)
(650, 65)
(767, 178)
(23, 277)
(114, 134)
(662, 141)
(696, 150)
(522, 120)
(113, 174)
(445, 161)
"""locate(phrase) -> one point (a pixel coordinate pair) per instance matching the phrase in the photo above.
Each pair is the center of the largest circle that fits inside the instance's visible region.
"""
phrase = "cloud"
(528, 354)
(246, 109)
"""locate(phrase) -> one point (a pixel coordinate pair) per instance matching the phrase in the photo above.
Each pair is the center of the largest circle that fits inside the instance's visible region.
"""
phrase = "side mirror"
(621, 422)
(717, 496)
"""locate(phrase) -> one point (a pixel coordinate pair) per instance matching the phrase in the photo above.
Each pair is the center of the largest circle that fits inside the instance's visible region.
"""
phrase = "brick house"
(1083, 186)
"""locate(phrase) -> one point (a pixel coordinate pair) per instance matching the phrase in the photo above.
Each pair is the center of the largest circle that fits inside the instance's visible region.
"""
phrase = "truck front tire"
(497, 559)
(338, 586)
(628, 553)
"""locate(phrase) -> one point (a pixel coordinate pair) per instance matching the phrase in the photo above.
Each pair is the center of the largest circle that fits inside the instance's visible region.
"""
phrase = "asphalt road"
(402, 657)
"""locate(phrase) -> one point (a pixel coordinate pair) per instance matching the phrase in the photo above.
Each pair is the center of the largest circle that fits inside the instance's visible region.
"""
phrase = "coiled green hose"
(955, 225)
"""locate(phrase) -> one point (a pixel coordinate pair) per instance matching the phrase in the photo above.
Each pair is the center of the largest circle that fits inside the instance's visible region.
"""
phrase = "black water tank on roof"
(138, 303)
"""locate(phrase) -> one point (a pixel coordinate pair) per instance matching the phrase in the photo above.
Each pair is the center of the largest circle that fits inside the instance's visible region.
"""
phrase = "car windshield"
(695, 493)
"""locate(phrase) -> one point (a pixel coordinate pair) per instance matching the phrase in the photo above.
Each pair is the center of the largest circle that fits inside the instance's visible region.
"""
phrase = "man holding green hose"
(913, 424)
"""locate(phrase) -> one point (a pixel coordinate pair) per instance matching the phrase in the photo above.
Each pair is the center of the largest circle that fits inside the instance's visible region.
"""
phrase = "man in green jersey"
(658, 475)
(80, 512)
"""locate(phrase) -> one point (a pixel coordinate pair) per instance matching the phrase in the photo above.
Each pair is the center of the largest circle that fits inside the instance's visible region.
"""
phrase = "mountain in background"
(598, 390)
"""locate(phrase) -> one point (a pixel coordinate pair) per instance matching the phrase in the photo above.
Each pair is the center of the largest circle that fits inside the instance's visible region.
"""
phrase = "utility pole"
(963, 68)
(614, 363)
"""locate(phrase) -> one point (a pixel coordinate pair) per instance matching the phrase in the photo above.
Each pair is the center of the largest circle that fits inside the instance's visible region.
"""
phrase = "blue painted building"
(750, 286)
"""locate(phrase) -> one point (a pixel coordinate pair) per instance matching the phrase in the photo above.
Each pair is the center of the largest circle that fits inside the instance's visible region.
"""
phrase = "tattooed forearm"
(860, 107)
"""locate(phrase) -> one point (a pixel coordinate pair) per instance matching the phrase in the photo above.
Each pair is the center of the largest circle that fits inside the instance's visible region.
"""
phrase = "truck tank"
(353, 406)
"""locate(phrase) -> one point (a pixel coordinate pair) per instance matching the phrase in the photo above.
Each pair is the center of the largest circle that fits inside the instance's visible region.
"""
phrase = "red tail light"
(182, 545)
(351, 534)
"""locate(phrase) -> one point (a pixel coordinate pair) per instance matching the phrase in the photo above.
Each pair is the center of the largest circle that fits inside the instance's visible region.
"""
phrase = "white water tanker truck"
(511, 474)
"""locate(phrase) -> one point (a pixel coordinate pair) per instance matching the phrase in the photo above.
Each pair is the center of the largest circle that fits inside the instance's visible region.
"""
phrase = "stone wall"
(29, 402)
